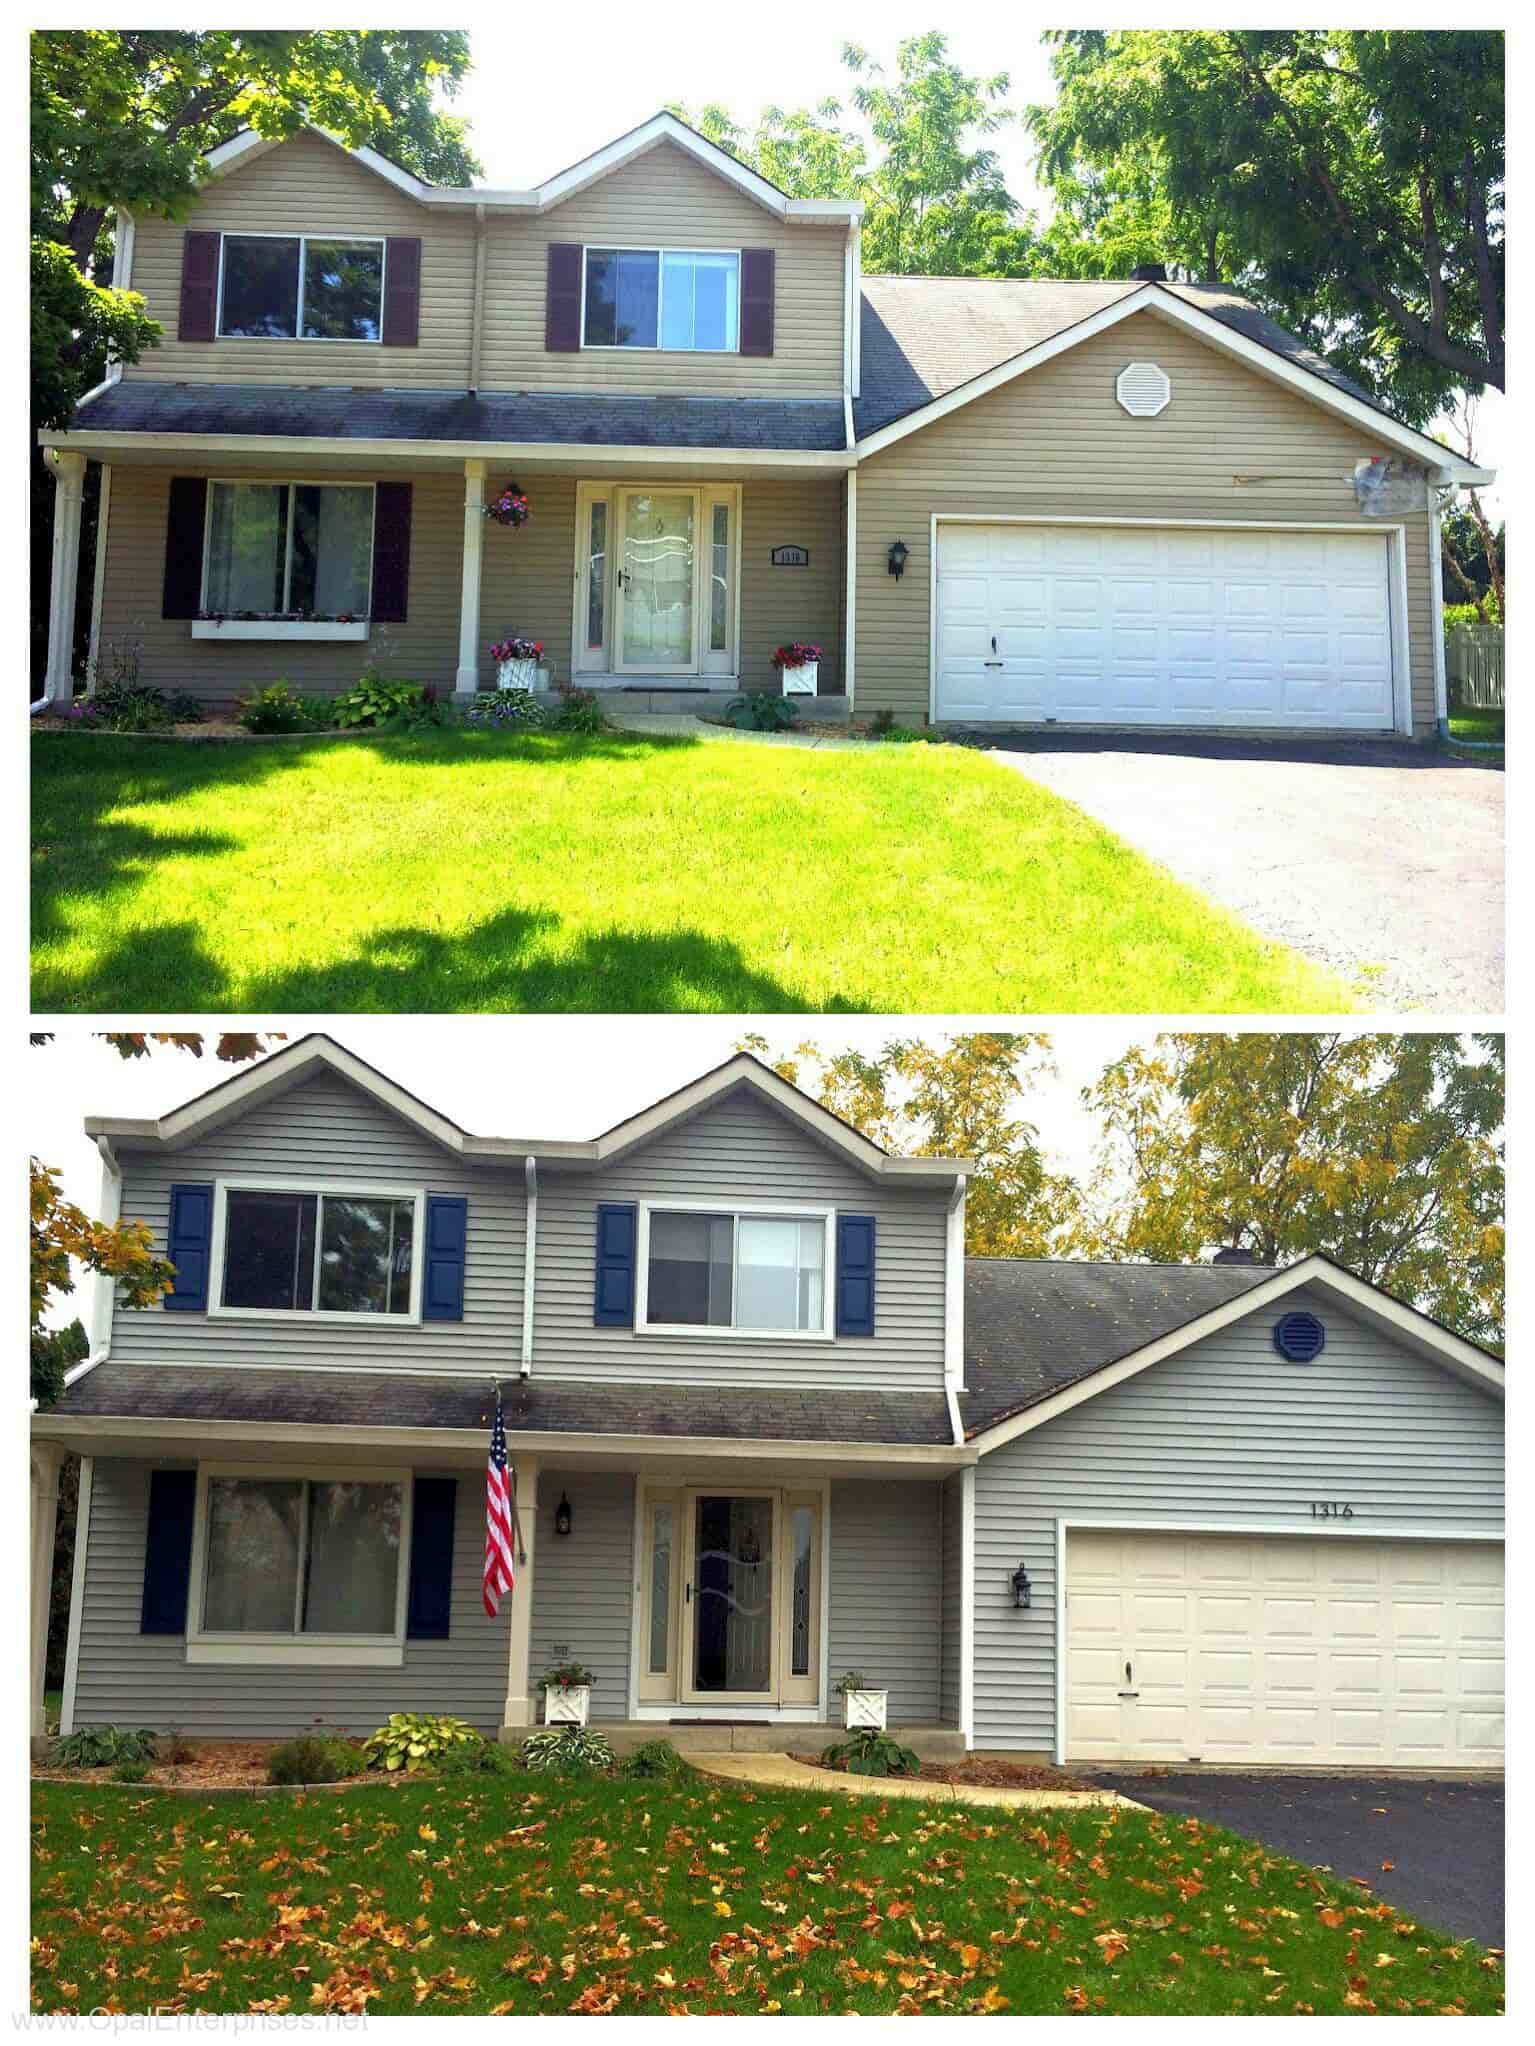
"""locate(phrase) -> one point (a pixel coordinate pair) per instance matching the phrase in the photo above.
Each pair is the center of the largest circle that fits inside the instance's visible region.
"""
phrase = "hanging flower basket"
(517, 662)
(509, 507)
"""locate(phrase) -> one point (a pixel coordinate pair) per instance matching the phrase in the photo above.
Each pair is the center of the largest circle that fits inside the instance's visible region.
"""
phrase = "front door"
(730, 1635)
(656, 574)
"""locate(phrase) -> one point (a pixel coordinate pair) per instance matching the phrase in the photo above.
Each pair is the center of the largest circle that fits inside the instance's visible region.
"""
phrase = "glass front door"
(731, 1650)
(656, 577)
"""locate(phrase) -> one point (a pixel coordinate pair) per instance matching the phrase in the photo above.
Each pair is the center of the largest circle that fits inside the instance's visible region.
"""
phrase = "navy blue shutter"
(431, 1558)
(617, 1238)
(447, 1237)
(189, 1247)
(168, 1552)
(855, 1275)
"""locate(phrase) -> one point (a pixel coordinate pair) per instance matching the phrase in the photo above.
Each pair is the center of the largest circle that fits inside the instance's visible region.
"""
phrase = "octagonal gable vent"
(1299, 1337)
(1143, 389)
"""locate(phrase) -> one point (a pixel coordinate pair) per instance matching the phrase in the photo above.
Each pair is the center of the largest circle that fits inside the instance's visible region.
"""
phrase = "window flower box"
(864, 1708)
(517, 663)
(279, 628)
(799, 663)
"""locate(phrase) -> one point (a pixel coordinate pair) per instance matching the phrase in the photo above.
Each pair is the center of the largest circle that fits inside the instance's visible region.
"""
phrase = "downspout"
(479, 301)
(529, 1261)
(109, 1208)
(1436, 604)
(954, 1310)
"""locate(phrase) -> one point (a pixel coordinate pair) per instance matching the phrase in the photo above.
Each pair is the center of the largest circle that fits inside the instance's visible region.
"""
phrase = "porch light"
(562, 1516)
(1021, 1588)
(897, 558)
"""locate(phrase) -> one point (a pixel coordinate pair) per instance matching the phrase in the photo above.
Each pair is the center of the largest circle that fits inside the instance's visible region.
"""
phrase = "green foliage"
(123, 706)
(185, 708)
(282, 708)
(131, 1772)
(757, 711)
(851, 1680)
(377, 701)
(578, 712)
(1469, 614)
(54, 1350)
(478, 1758)
(869, 1752)
(76, 327)
(566, 1673)
(314, 1758)
(566, 1751)
(409, 1740)
(504, 710)
(654, 1759)
(100, 1747)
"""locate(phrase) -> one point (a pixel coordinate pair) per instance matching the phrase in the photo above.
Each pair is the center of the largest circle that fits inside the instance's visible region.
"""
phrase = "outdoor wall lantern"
(897, 558)
(1021, 1587)
(562, 1516)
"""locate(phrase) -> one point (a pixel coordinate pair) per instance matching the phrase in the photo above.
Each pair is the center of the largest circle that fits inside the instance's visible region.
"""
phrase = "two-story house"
(992, 502)
(767, 1423)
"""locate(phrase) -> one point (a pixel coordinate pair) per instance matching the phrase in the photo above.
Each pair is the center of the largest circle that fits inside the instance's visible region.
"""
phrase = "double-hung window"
(683, 300)
(306, 1251)
(294, 287)
(747, 1270)
(302, 549)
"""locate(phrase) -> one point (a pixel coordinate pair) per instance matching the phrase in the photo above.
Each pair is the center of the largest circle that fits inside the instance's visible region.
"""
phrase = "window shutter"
(391, 554)
(182, 593)
(757, 301)
(617, 1237)
(168, 1552)
(855, 1275)
(432, 1506)
(199, 286)
(189, 1243)
(562, 302)
(402, 291)
(447, 1238)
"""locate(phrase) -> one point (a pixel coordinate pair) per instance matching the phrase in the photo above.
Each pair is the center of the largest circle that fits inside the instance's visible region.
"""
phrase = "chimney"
(1149, 273)
(1234, 1255)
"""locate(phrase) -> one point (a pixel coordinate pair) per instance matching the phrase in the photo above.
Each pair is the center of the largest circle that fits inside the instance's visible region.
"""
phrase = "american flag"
(500, 1537)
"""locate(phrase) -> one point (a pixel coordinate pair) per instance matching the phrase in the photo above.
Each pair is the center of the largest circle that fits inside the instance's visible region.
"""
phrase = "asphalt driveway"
(1382, 861)
(1434, 1849)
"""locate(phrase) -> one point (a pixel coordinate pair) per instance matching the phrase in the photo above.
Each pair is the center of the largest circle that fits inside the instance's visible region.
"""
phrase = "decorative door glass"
(597, 576)
(657, 579)
(733, 1594)
(660, 1587)
(801, 1555)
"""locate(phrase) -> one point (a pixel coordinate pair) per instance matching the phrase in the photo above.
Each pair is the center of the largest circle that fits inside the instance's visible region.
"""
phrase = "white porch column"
(467, 680)
(69, 472)
(47, 1461)
(520, 1711)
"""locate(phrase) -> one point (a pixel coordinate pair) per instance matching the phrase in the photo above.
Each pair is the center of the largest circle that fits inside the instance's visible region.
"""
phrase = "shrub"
(654, 1758)
(1468, 614)
(579, 712)
(184, 707)
(406, 1740)
(131, 1772)
(96, 1747)
(175, 1747)
(377, 701)
(566, 1751)
(132, 707)
(868, 1752)
(757, 711)
(505, 710)
(314, 1758)
(281, 708)
(478, 1758)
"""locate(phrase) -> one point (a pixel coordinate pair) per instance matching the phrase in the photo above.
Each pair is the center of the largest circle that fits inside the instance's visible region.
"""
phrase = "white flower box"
(520, 675)
(803, 681)
(277, 628)
(864, 1708)
(566, 1704)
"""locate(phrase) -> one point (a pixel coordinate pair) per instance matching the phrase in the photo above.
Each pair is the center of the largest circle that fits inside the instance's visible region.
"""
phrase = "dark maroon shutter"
(402, 291)
(199, 287)
(756, 301)
(562, 304)
(391, 553)
(183, 588)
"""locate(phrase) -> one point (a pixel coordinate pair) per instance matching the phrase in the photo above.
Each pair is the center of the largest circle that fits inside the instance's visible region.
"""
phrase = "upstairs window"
(306, 1252)
(283, 548)
(290, 287)
(743, 1272)
(682, 300)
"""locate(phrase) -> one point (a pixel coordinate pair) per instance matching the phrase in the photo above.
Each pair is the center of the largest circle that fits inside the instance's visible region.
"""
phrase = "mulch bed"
(214, 1765)
(994, 1771)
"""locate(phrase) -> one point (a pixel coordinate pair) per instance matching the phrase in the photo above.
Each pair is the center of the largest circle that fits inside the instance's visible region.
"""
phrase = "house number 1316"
(1331, 1509)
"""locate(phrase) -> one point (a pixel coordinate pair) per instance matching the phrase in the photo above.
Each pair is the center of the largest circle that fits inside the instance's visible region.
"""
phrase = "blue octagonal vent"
(1300, 1337)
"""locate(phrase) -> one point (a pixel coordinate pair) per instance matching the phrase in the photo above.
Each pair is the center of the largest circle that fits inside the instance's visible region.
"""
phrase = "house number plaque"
(1331, 1509)
(791, 557)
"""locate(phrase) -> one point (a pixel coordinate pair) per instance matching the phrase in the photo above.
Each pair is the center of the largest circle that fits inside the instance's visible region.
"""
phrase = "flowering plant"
(517, 650)
(510, 508)
(800, 653)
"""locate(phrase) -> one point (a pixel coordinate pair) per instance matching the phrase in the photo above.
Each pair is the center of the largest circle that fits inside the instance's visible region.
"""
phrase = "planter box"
(521, 675)
(803, 681)
(567, 1704)
(864, 1708)
(276, 628)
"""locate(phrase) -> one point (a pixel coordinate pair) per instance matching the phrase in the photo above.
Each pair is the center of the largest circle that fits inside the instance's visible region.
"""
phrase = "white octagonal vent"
(1143, 389)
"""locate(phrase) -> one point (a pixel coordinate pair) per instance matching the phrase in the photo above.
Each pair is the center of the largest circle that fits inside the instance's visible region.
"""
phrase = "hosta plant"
(376, 700)
(97, 1747)
(868, 1752)
(756, 711)
(566, 1751)
(504, 709)
(414, 1740)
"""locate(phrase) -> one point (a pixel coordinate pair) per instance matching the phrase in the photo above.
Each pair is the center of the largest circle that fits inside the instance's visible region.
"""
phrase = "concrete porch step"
(664, 702)
(704, 1737)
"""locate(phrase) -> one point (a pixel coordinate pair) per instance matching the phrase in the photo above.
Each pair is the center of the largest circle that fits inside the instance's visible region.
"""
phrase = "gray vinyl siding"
(952, 1556)
(886, 1593)
(132, 1679)
(1225, 1432)
(330, 1131)
(582, 1584)
(740, 1149)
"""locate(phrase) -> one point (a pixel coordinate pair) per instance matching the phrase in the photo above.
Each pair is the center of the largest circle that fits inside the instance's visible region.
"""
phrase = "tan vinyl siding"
(423, 649)
(781, 604)
(665, 199)
(526, 573)
(309, 186)
(1232, 444)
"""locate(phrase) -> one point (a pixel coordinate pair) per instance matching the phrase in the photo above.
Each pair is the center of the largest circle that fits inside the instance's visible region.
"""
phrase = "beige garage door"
(1272, 1649)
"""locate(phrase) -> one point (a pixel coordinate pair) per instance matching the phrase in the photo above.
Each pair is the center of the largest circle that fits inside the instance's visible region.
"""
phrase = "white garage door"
(1147, 625)
(1242, 1648)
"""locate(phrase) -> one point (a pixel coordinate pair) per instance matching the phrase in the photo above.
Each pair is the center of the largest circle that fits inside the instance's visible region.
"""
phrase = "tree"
(1383, 1151)
(1350, 180)
(954, 1099)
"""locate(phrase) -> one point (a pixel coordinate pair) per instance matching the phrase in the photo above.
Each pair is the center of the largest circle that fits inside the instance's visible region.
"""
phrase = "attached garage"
(1256, 1649)
(1087, 622)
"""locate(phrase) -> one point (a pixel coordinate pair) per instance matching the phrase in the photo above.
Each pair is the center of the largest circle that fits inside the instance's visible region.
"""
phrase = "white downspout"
(954, 1308)
(109, 1208)
(529, 1261)
(1436, 604)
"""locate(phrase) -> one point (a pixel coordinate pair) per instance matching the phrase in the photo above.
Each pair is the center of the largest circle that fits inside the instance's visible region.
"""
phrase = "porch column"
(467, 680)
(520, 1711)
(47, 1461)
(69, 472)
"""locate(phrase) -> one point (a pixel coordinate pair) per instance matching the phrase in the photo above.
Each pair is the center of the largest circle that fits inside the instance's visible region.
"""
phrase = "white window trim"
(340, 1190)
(787, 1211)
(379, 241)
(355, 1650)
(660, 251)
(290, 628)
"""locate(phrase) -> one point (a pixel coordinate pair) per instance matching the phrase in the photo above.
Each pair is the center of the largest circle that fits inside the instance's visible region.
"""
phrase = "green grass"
(1476, 727)
(484, 872)
(689, 1896)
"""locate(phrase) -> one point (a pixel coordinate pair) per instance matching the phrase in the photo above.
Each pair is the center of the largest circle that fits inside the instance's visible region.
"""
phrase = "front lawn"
(687, 1896)
(1476, 727)
(482, 872)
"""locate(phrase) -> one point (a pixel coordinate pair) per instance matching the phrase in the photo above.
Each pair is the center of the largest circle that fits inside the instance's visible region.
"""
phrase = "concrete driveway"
(1381, 861)
(1443, 1841)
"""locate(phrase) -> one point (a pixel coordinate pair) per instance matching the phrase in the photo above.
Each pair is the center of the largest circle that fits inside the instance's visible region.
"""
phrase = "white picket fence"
(1473, 665)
